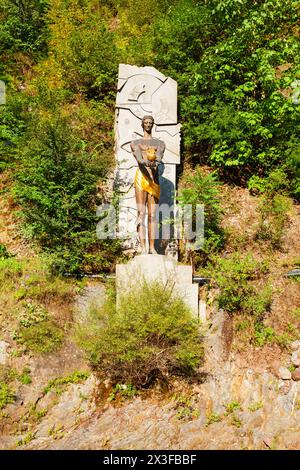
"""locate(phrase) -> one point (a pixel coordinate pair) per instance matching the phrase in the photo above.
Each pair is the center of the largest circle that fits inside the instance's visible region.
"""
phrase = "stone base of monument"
(151, 268)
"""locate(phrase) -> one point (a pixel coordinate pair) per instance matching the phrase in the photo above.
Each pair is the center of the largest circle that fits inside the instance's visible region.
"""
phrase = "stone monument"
(146, 108)
(145, 91)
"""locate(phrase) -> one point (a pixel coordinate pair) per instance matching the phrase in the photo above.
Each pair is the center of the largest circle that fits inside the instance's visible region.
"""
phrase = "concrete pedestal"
(149, 268)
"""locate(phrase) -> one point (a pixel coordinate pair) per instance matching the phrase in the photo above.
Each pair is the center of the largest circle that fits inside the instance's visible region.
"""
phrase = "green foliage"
(27, 289)
(232, 406)
(234, 276)
(4, 253)
(296, 313)
(56, 185)
(200, 188)
(255, 406)
(9, 268)
(122, 391)
(267, 335)
(274, 205)
(7, 395)
(85, 50)
(213, 418)
(26, 440)
(12, 125)
(32, 314)
(273, 211)
(56, 431)
(59, 383)
(25, 377)
(23, 28)
(44, 337)
(185, 409)
(150, 335)
(275, 183)
(235, 62)
(293, 164)
(235, 421)
(36, 331)
(264, 334)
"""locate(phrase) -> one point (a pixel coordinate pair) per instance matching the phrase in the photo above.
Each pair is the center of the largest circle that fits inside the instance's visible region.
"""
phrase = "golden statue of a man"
(148, 152)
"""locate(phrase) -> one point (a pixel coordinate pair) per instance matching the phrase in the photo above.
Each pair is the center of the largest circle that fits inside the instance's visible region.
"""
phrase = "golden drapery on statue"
(144, 182)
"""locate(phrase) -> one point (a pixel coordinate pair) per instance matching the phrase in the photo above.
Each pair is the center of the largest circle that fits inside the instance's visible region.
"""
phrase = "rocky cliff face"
(230, 406)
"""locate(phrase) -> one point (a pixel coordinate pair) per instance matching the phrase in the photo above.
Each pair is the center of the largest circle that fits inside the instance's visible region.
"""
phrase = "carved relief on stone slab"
(144, 91)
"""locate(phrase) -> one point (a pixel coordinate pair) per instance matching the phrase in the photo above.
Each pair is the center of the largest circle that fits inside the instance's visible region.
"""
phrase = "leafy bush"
(10, 268)
(234, 277)
(23, 28)
(37, 331)
(58, 384)
(57, 188)
(235, 62)
(293, 164)
(273, 213)
(201, 188)
(85, 58)
(4, 253)
(43, 337)
(276, 182)
(13, 116)
(150, 335)
(6, 395)
(123, 392)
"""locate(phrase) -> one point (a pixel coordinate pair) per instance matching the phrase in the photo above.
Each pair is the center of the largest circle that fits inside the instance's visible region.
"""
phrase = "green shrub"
(4, 253)
(43, 337)
(232, 406)
(235, 72)
(234, 276)
(59, 383)
(6, 395)
(260, 302)
(264, 334)
(201, 188)
(25, 377)
(57, 189)
(276, 182)
(122, 391)
(185, 407)
(213, 418)
(9, 268)
(293, 164)
(267, 335)
(23, 26)
(150, 335)
(273, 212)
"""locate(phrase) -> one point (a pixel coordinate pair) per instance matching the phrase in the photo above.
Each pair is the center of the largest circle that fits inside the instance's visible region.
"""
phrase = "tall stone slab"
(144, 91)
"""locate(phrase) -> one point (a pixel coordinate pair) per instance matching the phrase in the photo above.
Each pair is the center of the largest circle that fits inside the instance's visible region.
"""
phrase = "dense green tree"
(22, 29)
(237, 64)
